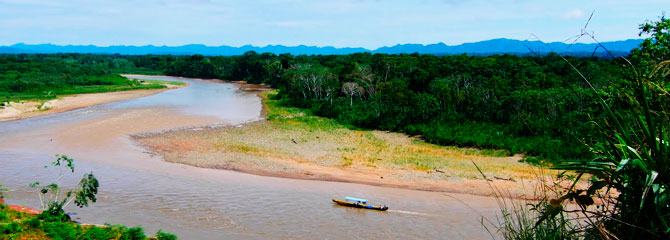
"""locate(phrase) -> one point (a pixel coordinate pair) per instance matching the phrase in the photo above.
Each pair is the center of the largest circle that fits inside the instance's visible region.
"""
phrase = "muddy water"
(138, 188)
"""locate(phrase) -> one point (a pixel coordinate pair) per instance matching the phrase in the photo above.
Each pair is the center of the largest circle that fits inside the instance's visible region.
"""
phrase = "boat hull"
(359, 205)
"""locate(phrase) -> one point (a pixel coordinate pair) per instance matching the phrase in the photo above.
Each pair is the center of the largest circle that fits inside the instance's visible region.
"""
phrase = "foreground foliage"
(628, 193)
(54, 199)
(530, 219)
(16, 225)
(632, 163)
(53, 222)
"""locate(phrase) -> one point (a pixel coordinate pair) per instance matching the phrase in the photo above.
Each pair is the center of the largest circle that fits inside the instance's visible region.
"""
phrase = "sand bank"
(290, 146)
(27, 109)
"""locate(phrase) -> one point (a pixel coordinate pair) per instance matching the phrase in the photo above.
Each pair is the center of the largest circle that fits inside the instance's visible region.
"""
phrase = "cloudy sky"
(346, 23)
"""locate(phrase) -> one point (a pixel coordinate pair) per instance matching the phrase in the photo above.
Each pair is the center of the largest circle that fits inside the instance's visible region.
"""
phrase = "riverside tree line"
(534, 104)
(537, 105)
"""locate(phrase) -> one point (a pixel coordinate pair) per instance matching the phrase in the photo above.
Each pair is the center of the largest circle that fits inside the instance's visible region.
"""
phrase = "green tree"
(53, 199)
(655, 48)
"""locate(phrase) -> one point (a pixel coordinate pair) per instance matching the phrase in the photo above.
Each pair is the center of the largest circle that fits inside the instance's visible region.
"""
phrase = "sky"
(347, 23)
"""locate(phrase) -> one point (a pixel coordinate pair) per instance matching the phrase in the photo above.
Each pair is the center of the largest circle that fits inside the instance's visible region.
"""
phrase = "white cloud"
(366, 23)
(574, 14)
(296, 24)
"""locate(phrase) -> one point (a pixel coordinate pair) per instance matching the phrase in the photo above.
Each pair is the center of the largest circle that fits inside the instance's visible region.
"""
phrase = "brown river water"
(138, 188)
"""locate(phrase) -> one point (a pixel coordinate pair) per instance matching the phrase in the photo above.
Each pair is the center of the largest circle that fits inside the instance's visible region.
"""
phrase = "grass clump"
(162, 82)
(538, 216)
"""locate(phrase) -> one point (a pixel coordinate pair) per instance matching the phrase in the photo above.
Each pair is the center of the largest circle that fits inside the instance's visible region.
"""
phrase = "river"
(138, 188)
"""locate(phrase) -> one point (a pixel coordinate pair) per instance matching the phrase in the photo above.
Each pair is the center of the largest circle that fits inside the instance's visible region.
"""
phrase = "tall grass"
(628, 195)
(518, 218)
(632, 166)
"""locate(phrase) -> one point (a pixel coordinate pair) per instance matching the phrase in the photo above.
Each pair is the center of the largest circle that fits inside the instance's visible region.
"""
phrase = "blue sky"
(350, 23)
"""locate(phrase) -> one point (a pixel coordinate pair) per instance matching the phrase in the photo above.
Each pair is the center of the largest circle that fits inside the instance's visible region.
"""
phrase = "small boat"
(359, 203)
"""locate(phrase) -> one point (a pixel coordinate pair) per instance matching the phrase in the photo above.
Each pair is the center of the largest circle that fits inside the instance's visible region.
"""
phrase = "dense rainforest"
(539, 105)
(535, 104)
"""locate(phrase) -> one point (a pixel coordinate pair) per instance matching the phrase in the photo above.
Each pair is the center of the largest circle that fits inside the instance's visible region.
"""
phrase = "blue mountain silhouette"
(493, 46)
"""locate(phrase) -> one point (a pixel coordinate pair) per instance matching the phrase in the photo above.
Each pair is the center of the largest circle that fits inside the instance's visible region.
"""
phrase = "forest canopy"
(538, 105)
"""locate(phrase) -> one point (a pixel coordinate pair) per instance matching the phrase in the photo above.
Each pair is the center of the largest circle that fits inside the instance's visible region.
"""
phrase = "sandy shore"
(27, 109)
(289, 148)
(311, 161)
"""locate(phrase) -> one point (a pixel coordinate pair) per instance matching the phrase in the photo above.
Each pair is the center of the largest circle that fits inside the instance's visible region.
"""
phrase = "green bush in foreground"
(135, 233)
(15, 225)
(12, 228)
(160, 235)
(98, 234)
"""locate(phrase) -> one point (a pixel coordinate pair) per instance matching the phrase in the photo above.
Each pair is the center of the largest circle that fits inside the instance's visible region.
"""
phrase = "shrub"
(136, 233)
(60, 230)
(12, 228)
(160, 235)
(54, 215)
(32, 222)
(96, 233)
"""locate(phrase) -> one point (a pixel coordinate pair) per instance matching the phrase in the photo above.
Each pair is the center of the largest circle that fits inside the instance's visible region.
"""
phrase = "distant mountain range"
(488, 47)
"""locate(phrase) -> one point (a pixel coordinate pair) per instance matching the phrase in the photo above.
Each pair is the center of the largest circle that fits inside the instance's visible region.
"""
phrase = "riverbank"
(33, 108)
(292, 143)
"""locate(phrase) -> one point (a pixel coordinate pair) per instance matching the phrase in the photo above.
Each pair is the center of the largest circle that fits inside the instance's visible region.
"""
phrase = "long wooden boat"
(359, 203)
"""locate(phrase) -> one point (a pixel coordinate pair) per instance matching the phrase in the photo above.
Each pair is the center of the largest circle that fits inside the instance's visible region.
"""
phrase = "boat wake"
(414, 213)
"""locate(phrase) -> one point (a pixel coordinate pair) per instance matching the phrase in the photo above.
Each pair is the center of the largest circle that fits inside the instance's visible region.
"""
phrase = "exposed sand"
(27, 109)
(284, 148)
(260, 153)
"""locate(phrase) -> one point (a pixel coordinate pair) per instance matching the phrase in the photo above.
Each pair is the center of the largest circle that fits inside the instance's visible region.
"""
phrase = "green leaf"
(622, 164)
(651, 177)
(89, 188)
